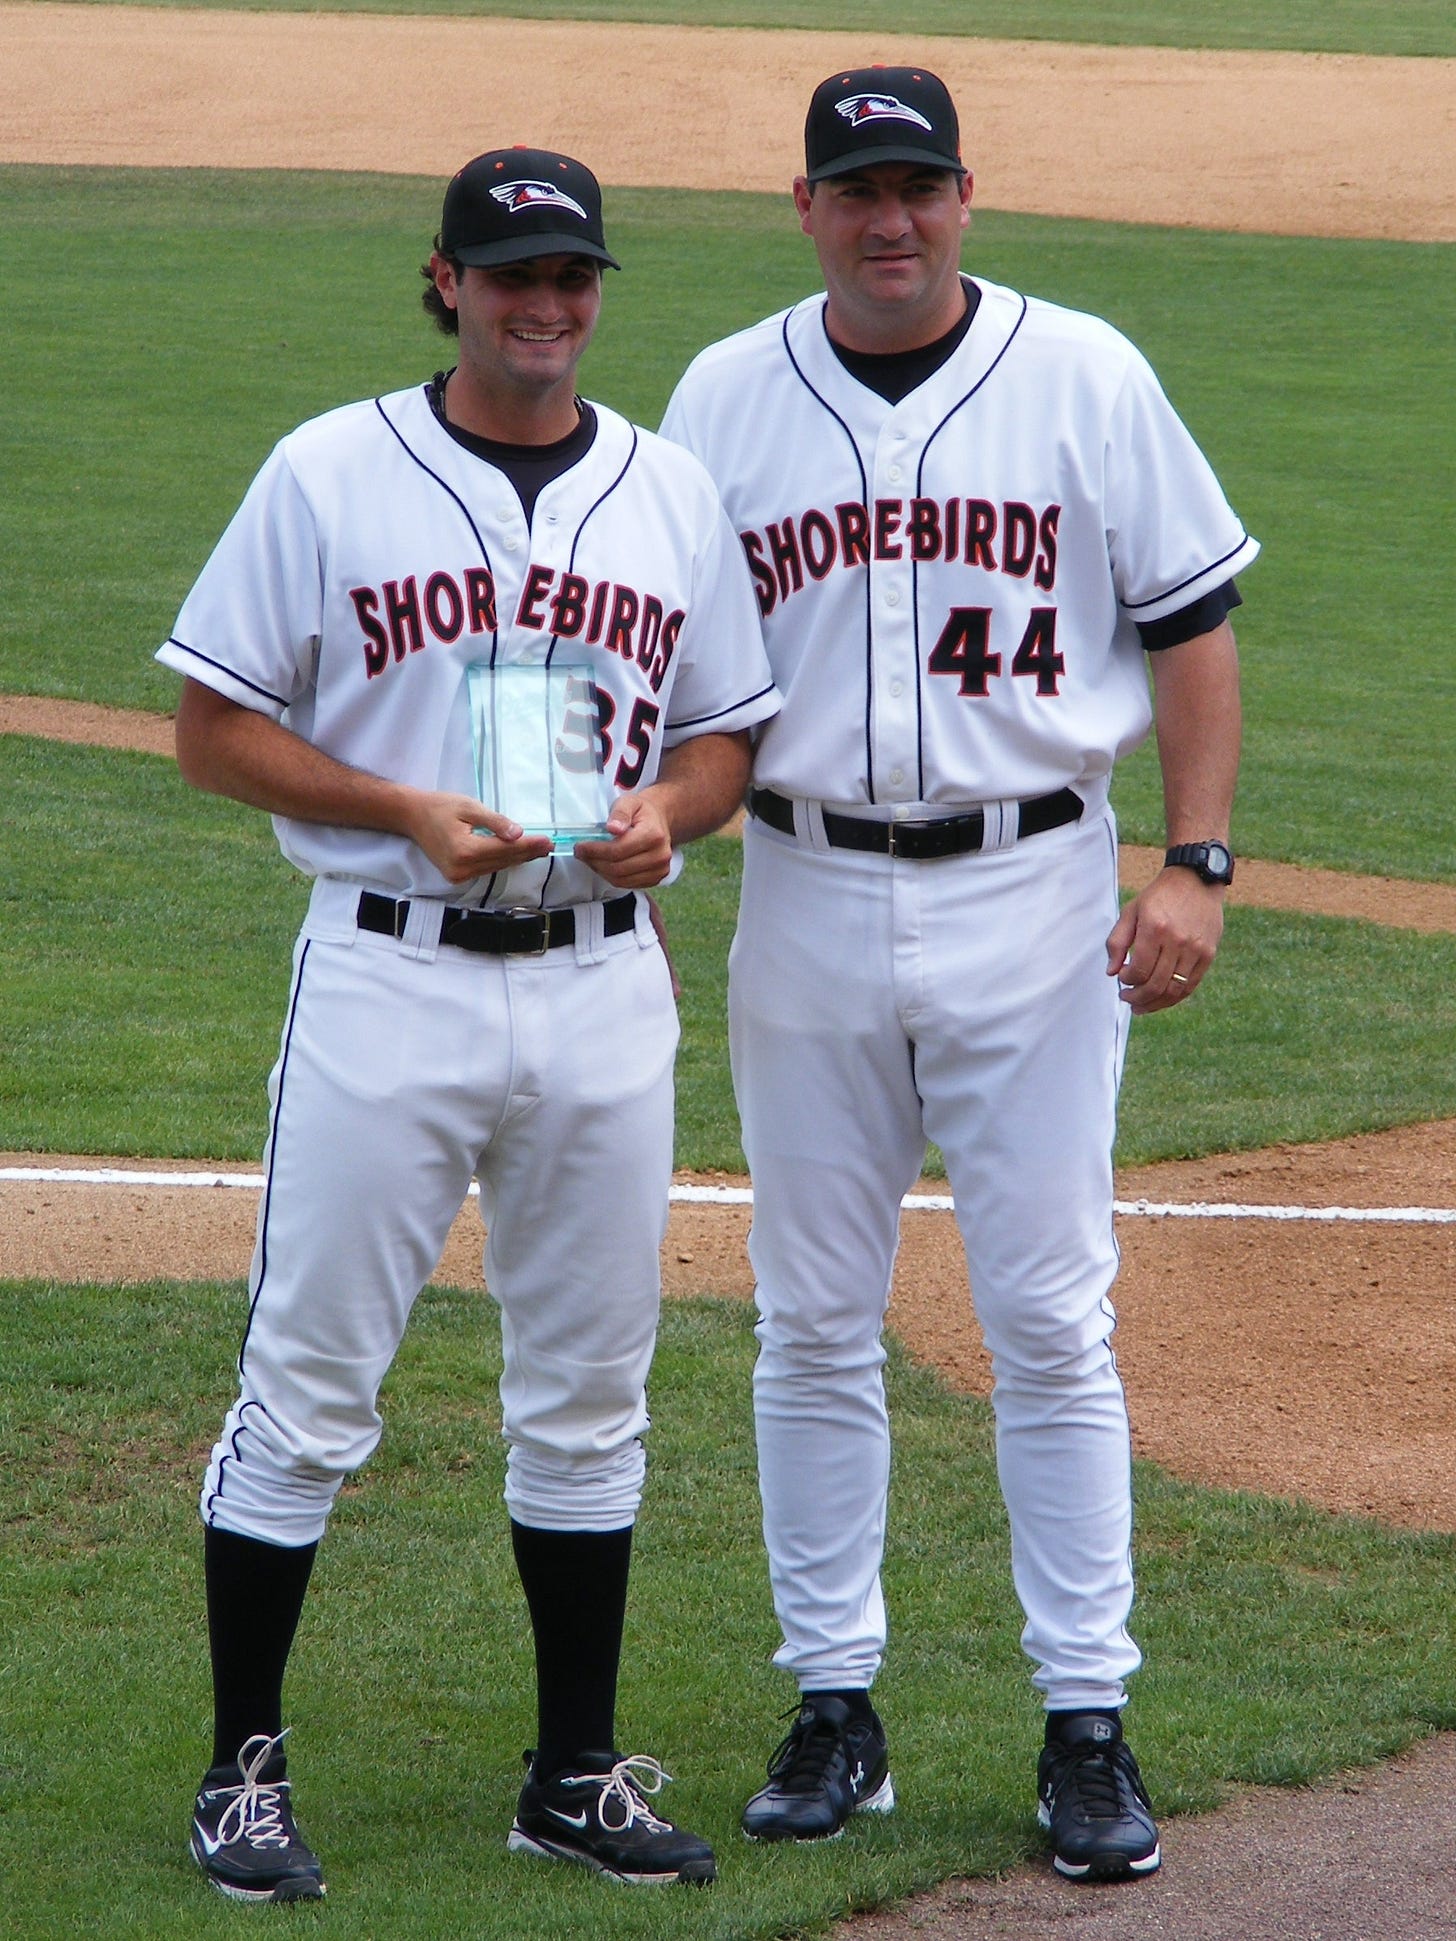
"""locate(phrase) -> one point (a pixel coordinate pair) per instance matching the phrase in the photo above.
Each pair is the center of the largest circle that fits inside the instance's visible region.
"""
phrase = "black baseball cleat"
(831, 1764)
(599, 1817)
(1091, 1797)
(243, 1832)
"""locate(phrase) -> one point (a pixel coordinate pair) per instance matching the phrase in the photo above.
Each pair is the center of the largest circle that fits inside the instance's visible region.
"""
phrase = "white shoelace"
(254, 1812)
(626, 1784)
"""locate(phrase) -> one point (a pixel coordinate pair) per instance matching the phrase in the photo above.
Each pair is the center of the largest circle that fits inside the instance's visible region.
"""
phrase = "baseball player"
(975, 525)
(469, 1000)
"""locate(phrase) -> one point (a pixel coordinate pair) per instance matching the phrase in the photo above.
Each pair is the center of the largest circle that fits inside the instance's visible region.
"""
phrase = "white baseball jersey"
(374, 559)
(950, 585)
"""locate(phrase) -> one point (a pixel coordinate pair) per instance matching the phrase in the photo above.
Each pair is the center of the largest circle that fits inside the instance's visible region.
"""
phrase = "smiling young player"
(467, 1003)
(974, 522)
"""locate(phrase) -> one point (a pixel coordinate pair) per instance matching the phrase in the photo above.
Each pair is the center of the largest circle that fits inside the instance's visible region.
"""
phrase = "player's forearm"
(1199, 726)
(231, 750)
(701, 783)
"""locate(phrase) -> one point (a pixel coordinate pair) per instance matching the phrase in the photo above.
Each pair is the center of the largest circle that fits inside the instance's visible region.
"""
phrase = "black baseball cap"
(881, 114)
(515, 203)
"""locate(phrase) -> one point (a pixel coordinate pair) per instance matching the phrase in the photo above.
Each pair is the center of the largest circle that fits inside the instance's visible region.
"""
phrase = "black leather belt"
(530, 934)
(950, 835)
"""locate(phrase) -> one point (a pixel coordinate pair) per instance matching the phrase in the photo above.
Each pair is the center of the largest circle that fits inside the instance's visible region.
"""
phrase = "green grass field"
(124, 1043)
(1281, 1643)
(1316, 26)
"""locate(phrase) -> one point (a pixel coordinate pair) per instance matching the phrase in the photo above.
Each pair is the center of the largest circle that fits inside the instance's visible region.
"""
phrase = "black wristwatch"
(1212, 861)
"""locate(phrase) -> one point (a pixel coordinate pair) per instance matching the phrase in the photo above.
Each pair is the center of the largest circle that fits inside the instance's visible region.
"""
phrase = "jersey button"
(892, 598)
(897, 775)
(894, 475)
(897, 688)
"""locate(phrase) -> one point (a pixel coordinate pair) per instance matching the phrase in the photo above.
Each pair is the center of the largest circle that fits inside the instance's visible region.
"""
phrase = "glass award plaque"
(536, 734)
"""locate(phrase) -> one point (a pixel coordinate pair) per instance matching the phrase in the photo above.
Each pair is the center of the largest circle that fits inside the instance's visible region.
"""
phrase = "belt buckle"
(907, 833)
(540, 949)
(930, 838)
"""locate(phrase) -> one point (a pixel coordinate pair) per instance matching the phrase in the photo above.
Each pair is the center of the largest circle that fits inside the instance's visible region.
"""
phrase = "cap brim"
(519, 249)
(864, 158)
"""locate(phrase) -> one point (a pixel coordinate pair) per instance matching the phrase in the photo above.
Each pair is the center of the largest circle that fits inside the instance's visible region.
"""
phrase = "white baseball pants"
(876, 1003)
(406, 1069)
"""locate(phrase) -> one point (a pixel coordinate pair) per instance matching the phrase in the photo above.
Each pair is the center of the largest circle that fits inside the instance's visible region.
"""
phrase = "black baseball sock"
(254, 1596)
(576, 1588)
(856, 1698)
(1054, 1720)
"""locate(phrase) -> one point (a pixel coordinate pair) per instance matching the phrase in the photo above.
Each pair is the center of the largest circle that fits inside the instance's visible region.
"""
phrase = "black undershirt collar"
(530, 468)
(895, 374)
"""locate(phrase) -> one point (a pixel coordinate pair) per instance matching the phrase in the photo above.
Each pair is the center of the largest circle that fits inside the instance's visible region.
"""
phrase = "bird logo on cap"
(860, 108)
(515, 196)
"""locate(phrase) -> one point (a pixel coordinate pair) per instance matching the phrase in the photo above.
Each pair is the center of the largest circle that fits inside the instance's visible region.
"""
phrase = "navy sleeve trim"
(1212, 566)
(231, 672)
(1201, 617)
(698, 720)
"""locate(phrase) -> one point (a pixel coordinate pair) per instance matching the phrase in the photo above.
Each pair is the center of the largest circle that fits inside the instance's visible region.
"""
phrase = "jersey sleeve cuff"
(1191, 589)
(725, 721)
(223, 680)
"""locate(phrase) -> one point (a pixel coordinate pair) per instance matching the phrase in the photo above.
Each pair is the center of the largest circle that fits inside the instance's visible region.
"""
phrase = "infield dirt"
(1296, 144)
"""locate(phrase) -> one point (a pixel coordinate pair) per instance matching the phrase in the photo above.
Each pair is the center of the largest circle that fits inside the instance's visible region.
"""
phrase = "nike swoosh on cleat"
(209, 1846)
(577, 1820)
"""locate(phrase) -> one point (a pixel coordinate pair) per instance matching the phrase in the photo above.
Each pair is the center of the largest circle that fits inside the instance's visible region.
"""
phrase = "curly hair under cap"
(433, 303)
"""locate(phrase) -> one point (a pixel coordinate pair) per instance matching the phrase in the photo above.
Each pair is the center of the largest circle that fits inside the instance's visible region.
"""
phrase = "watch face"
(1213, 862)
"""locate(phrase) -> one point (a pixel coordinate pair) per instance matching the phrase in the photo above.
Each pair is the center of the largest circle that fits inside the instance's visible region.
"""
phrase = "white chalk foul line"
(1222, 1210)
(116, 1176)
(743, 1196)
(1391, 1215)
